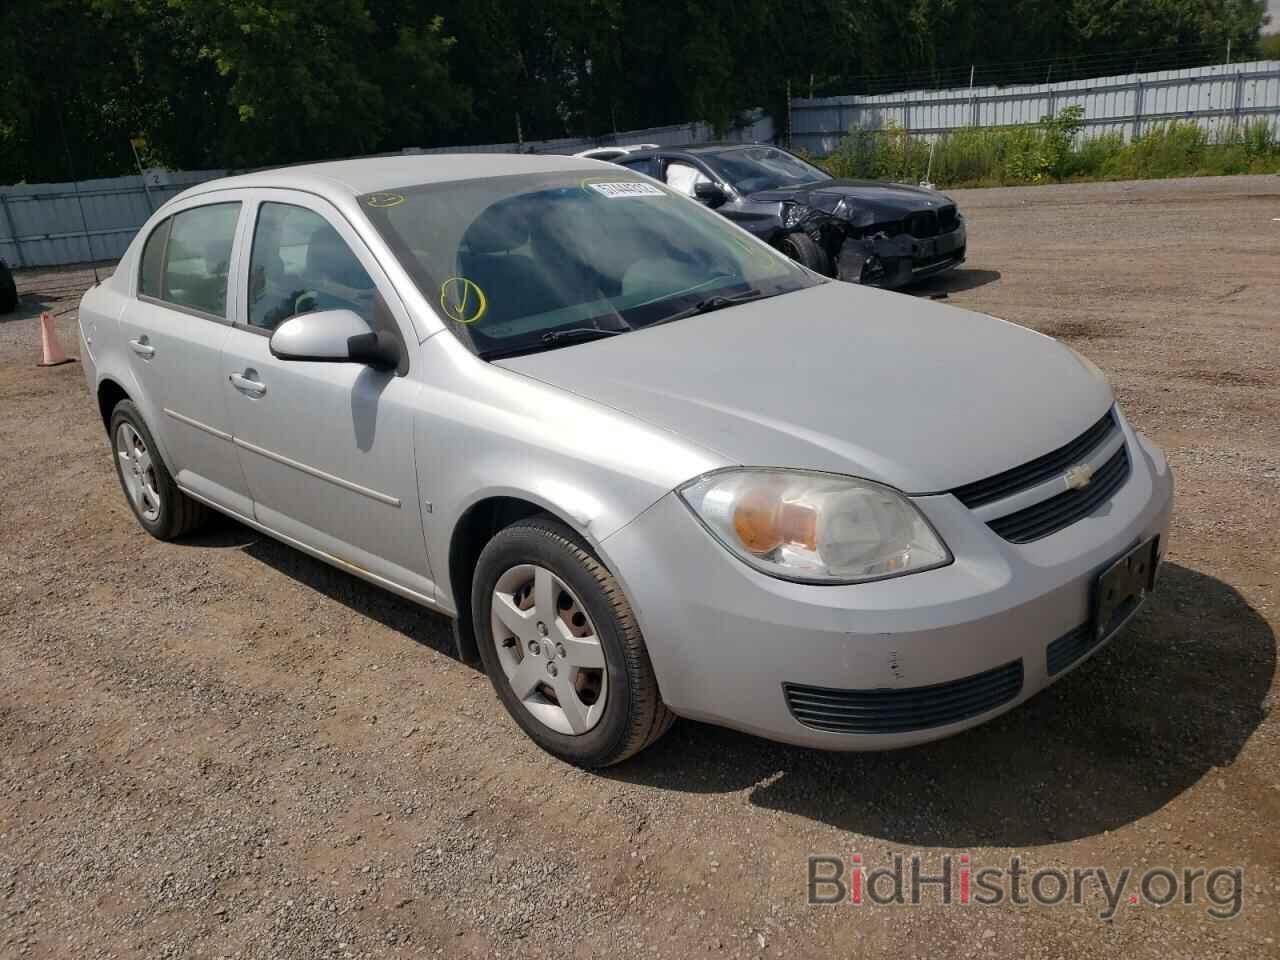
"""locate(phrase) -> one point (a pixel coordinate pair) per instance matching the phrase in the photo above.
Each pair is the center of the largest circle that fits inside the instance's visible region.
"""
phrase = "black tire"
(178, 515)
(804, 250)
(634, 715)
(8, 290)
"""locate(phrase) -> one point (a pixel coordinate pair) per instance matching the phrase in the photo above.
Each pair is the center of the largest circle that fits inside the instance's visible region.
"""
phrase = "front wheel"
(804, 250)
(562, 648)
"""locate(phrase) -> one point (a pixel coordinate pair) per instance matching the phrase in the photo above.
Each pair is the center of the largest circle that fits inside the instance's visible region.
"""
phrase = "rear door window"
(197, 258)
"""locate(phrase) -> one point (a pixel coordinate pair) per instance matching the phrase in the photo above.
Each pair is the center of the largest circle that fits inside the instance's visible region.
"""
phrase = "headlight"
(794, 214)
(815, 527)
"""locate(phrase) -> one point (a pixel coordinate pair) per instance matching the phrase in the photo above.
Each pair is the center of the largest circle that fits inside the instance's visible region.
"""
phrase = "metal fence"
(55, 223)
(1216, 97)
(50, 223)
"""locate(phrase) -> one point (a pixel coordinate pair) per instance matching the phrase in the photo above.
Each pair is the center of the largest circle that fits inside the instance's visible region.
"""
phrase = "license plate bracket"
(1120, 589)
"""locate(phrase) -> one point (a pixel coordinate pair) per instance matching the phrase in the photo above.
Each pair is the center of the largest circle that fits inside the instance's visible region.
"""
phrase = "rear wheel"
(164, 511)
(804, 250)
(562, 647)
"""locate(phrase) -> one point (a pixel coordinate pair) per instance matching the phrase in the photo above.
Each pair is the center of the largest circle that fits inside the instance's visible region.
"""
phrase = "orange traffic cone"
(54, 355)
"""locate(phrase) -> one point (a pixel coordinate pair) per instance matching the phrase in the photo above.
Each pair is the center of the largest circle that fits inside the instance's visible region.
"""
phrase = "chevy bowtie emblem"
(1078, 477)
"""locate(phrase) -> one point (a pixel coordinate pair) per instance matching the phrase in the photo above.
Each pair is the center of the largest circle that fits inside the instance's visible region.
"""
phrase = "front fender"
(483, 431)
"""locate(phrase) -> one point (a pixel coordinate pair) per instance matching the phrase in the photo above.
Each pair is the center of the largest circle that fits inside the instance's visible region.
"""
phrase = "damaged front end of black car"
(841, 235)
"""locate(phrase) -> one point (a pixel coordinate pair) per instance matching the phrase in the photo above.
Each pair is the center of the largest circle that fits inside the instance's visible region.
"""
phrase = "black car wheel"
(8, 290)
(805, 251)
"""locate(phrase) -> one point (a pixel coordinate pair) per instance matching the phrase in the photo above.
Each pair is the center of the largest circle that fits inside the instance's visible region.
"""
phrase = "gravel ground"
(223, 748)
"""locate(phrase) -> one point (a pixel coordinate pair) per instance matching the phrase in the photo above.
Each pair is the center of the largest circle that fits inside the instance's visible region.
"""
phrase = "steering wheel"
(306, 302)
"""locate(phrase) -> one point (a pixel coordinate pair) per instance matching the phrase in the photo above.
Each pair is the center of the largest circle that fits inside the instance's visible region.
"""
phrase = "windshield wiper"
(710, 304)
(573, 334)
(578, 333)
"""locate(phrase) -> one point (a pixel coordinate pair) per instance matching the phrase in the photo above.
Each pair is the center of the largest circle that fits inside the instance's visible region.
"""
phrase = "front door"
(175, 328)
(327, 448)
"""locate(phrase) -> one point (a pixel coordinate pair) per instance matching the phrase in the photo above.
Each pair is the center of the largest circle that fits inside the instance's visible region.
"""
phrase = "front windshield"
(752, 169)
(516, 262)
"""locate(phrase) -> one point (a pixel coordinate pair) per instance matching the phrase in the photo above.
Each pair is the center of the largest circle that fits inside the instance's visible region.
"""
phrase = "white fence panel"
(1216, 97)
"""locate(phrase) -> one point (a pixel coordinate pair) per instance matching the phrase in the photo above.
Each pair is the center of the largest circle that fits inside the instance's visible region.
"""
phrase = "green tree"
(246, 83)
(64, 107)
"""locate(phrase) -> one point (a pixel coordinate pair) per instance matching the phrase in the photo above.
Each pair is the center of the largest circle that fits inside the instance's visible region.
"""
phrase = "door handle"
(255, 388)
(142, 348)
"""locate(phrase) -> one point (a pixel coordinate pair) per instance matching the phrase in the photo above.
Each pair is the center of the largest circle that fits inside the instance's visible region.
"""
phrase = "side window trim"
(244, 272)
(183, 308)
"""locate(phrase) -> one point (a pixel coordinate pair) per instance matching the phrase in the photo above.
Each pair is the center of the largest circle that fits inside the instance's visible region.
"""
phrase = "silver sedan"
(648, 465)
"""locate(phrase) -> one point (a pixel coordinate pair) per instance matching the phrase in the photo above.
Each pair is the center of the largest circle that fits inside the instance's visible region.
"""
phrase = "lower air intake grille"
(904, 709)
(1069, 648)
(1050, 516)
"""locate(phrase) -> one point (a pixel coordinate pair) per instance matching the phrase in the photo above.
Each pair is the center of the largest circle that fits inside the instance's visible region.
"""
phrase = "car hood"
(846, 379)
(885, 200)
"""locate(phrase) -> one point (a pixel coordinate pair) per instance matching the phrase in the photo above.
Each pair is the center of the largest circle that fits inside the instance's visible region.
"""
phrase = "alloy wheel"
(138, 472)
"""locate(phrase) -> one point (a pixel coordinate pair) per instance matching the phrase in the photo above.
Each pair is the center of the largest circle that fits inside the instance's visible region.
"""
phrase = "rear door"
(327, 448)
(174, 328)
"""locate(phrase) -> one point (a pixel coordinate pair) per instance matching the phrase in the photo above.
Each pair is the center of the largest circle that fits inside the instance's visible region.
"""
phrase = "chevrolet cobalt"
(648, 465)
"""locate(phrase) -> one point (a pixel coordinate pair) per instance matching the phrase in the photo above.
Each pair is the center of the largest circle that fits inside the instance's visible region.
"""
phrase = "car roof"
(696, 148)
(371, 174)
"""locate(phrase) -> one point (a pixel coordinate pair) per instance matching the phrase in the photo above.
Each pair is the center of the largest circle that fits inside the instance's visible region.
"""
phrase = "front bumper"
(724, 639)
(894, 262)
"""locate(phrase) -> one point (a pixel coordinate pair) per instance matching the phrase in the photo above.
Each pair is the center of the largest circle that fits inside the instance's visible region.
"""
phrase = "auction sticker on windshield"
(615, 190)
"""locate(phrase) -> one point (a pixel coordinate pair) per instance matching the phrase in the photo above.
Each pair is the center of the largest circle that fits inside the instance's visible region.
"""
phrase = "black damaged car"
(882, 234)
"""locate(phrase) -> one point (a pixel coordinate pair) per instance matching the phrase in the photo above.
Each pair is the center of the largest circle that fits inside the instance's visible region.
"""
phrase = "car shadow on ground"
(953, 281)
(1167, 702)
(54, 289)
(29, 308)
(420, 625)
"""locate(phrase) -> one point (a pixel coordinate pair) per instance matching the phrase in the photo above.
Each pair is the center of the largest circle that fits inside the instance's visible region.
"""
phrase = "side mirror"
(709, 194)
(334, 336)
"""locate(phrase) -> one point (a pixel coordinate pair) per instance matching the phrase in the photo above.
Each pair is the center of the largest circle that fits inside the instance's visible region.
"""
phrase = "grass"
(1053, 151)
